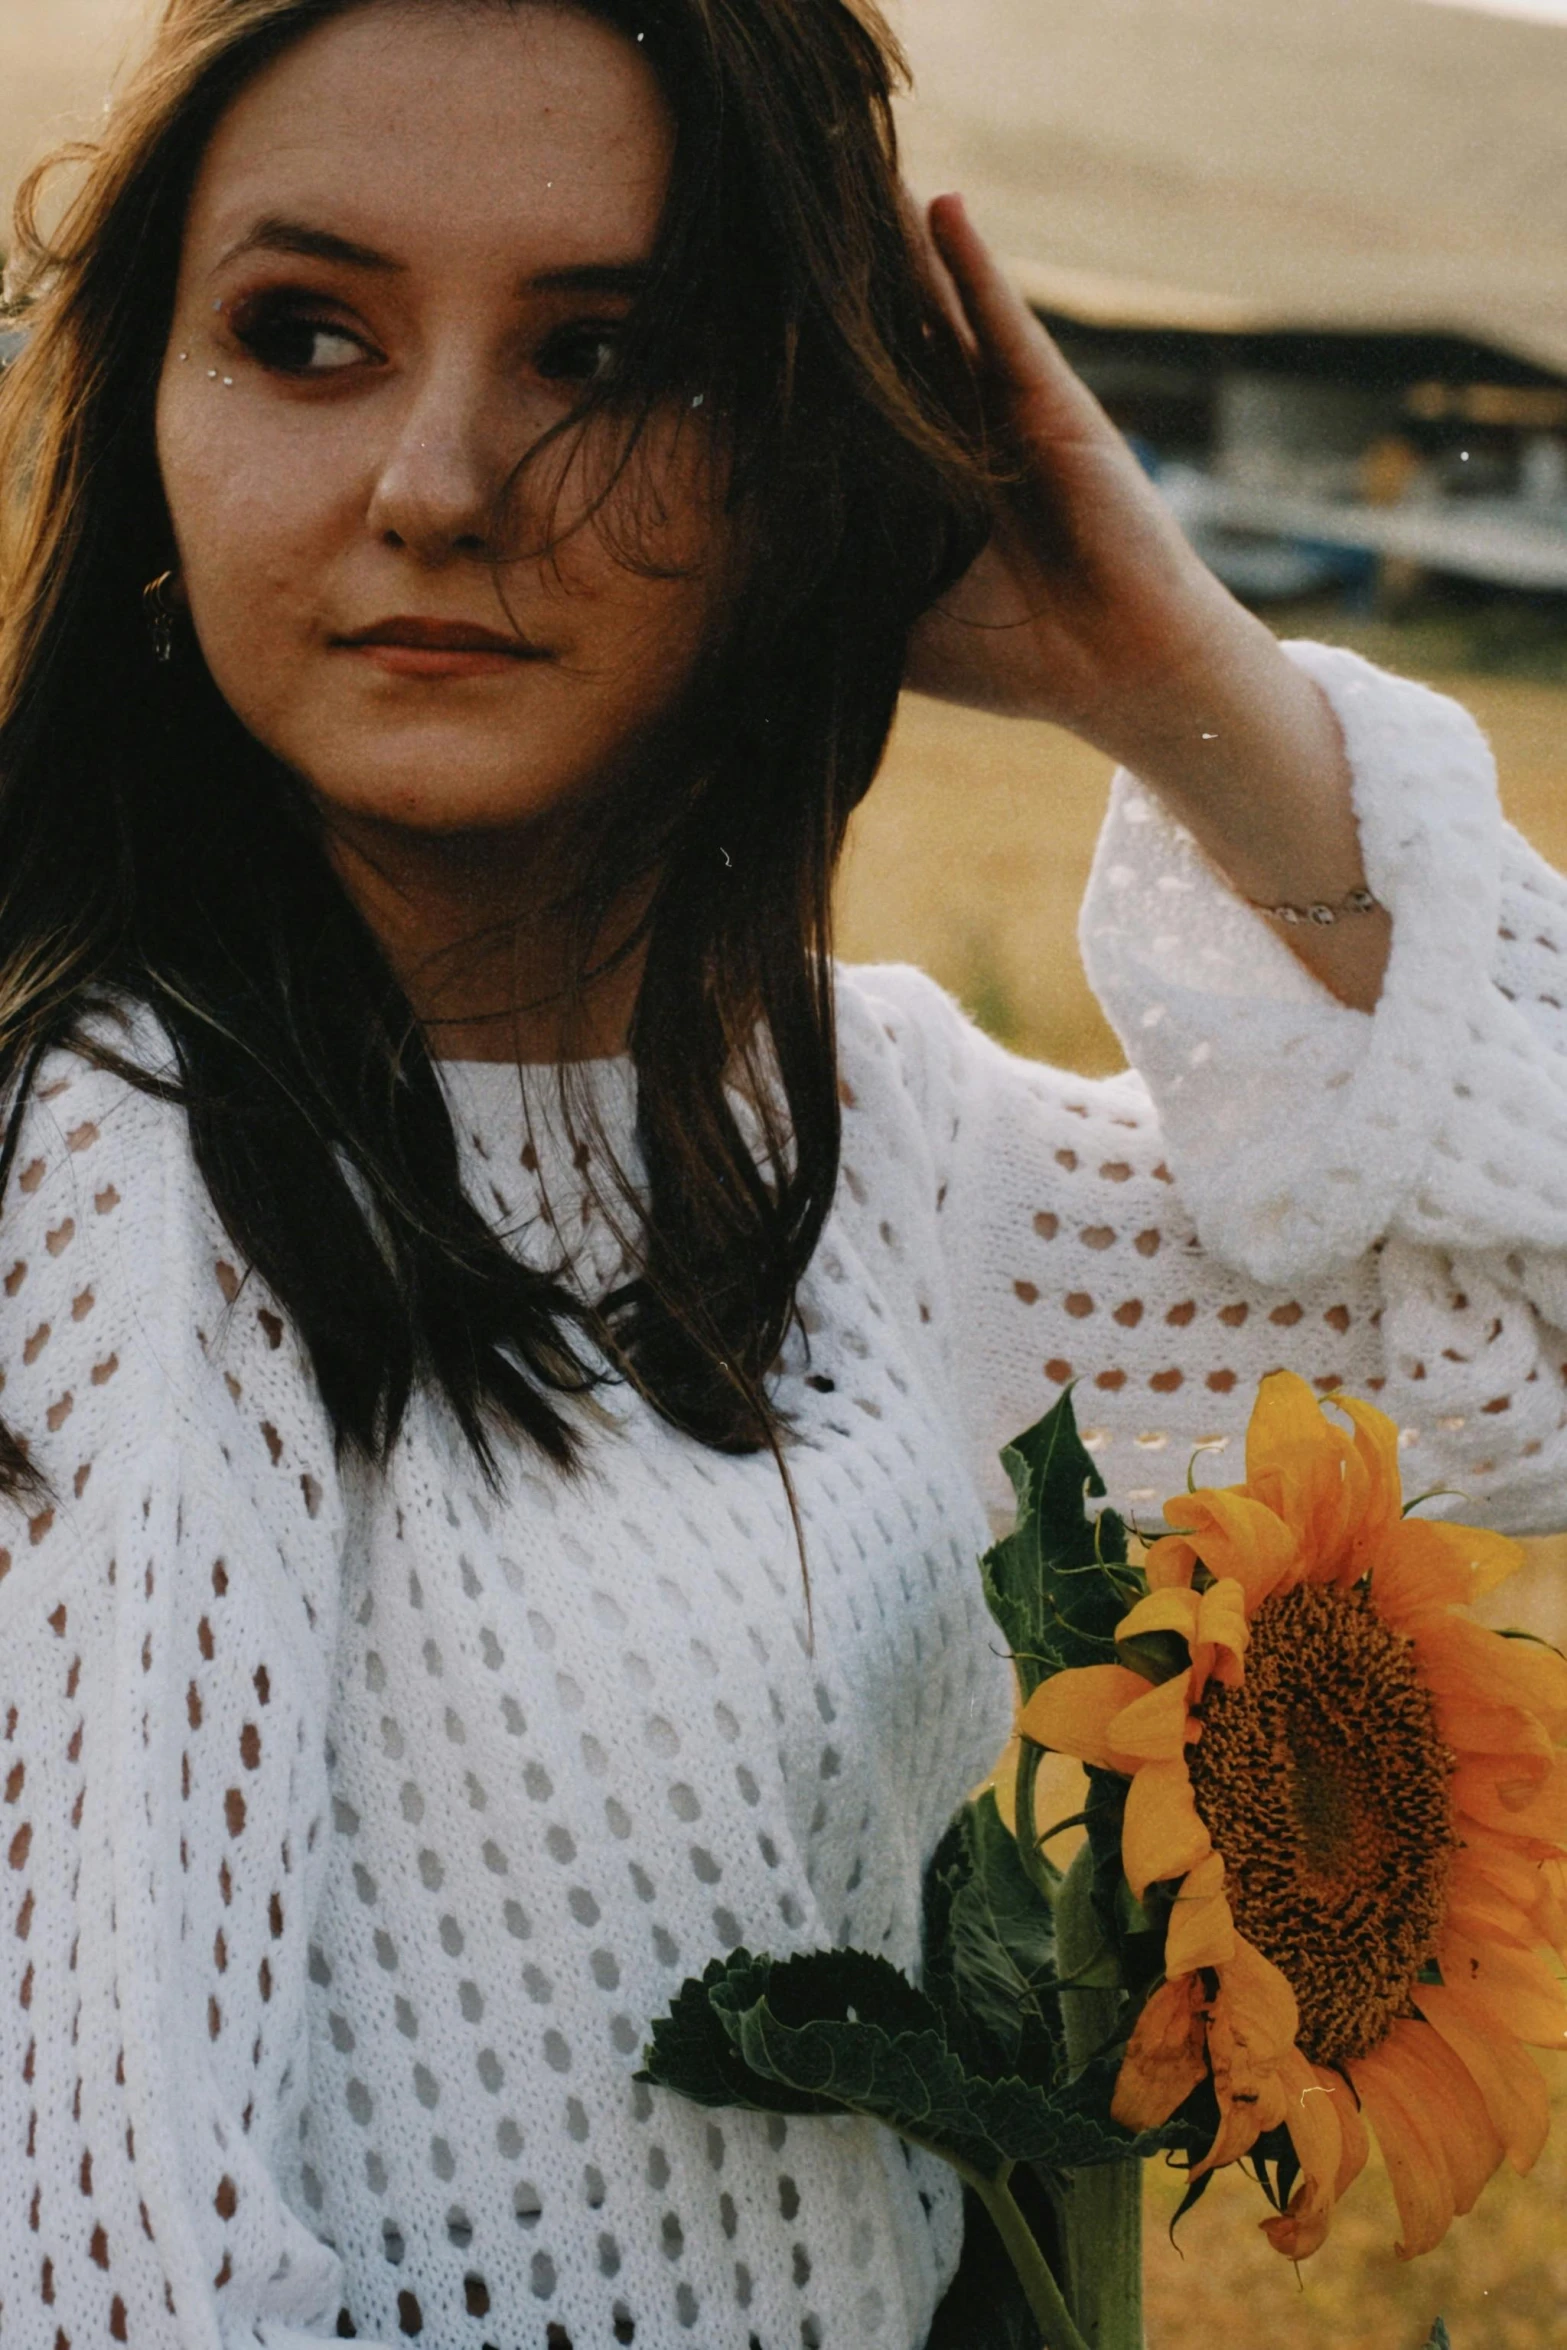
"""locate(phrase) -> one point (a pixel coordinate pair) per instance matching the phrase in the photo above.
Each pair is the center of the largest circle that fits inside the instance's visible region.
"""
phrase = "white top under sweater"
(354, 1829)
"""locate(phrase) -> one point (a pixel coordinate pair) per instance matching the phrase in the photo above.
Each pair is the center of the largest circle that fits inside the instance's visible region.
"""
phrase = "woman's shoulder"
(126, 1316)
(900, 1031)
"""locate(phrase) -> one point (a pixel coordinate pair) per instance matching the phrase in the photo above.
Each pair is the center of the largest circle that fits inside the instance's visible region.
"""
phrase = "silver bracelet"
(1359, 901)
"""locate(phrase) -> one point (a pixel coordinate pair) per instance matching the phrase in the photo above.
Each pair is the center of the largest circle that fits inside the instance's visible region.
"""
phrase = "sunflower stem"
(1034, 2273)
(1102, 2208)
(1044, 1876)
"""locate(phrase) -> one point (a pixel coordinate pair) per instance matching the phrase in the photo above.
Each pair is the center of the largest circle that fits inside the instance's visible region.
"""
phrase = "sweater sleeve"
(166, 1621)
(1377, 1201)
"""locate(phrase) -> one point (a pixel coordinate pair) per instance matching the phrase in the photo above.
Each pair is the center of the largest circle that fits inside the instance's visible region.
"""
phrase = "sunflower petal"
(1170, 1563)
(1487, 1908)
(1162, 1834)
(1259, 2002)
(1442, 2089)
(1503, 2071)
(1166, 2056)
(1238, 1538)
(1297, 1462)
(1459, 1658)
(1422, 2188)
(1222, 1625)
(1490, 1790)
(1356, 2147)
(1158, 1724)
(1497, 1732)
(1201, 1932)
(1517, 1989)
(1072, 1712)
(1170, 1610)
(1311, 2117)
(1423, 1566)
(1382, 1499)
(1251, 2027)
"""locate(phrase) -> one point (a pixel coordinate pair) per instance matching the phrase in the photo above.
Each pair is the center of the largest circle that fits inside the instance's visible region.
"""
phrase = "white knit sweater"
(355, 1828)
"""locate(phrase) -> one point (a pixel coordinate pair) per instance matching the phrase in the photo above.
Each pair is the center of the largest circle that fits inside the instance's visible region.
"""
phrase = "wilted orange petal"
(1421, 2186)
(1504, 2073)
(1158, 1723)
(1491, 1791)
(1165, 2057)
(1073, 1711)
(1201, 1931)
(1162, 1834)
(1517, 1989)
(1311, 2117)
(1259, 2004)
(1243, 2060)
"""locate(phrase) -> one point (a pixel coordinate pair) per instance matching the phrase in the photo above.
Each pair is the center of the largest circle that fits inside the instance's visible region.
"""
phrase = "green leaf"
(692, 2051)
(1158, 1656)
(1059, 1583)
(1440, 2338)
(1003, 1952)
(843, 2031)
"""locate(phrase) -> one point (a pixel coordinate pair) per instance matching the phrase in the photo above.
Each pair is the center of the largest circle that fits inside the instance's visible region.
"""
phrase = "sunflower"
(1354, 1793)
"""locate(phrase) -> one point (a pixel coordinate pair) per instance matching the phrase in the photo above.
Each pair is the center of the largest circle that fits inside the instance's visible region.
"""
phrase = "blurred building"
(1301, 459)
(1312, 254)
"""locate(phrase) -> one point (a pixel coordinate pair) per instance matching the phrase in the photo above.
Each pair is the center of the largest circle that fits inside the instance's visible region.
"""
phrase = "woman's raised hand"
(1089, 605)
(1090, 608)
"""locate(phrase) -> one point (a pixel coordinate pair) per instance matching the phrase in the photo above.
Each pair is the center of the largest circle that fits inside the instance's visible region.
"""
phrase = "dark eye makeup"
(289, 333)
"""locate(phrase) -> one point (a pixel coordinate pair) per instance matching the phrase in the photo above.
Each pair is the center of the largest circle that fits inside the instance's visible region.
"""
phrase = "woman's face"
(413, 240)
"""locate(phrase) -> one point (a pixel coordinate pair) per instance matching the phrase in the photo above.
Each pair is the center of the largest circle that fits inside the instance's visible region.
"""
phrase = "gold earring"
(159, 607)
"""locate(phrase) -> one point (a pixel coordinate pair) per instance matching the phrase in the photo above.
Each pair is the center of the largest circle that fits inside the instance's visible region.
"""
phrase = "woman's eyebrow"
(592, 277)
(275, 234)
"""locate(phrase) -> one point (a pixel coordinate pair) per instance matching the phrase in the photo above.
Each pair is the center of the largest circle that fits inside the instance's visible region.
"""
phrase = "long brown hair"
(151, 852)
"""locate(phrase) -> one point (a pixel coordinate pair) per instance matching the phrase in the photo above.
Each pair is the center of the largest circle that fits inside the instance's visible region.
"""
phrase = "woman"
(446, 1183)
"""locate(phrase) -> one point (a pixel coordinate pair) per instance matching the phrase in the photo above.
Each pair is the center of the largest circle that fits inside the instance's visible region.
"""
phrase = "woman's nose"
(443, 483)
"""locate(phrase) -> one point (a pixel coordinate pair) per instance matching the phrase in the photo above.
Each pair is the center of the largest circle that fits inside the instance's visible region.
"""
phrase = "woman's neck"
(472, 925)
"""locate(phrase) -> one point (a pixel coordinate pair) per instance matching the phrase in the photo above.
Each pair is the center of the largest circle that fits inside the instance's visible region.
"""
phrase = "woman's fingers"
(1000, 322)
(945, 299)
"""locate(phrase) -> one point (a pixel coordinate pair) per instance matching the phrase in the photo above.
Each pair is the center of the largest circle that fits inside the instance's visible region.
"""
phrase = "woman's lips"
(439, 649)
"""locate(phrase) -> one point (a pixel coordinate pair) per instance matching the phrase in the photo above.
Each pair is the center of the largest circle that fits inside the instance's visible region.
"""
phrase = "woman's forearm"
(1246, 752)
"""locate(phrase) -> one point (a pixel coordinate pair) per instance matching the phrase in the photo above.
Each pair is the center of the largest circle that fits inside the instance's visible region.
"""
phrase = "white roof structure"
(1228, 163)
(1248, 164)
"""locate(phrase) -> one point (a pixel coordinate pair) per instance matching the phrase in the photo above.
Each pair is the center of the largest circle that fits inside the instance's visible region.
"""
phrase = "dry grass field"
(969, 858)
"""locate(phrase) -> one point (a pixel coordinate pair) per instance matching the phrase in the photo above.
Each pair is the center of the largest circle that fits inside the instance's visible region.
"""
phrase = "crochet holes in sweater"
(362, 1824)
(1135, 1321)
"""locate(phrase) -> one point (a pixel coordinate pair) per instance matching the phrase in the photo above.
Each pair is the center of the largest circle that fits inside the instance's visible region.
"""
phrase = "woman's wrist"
(1244, 749)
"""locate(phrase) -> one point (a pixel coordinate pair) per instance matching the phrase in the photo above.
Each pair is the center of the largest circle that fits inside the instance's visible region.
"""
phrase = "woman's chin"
(439, 782)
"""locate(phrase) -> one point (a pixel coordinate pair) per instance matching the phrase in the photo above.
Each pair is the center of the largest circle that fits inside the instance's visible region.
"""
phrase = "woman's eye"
(580, 354)
(302, 346)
